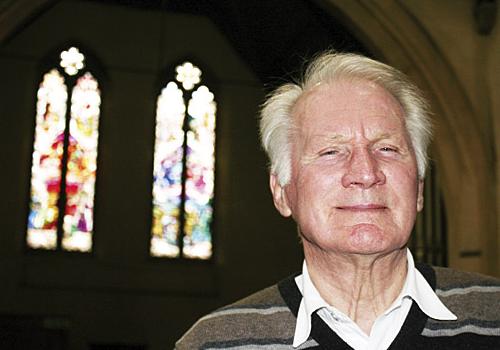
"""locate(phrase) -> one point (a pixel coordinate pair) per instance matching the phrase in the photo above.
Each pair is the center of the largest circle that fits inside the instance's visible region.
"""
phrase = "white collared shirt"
(386, 326)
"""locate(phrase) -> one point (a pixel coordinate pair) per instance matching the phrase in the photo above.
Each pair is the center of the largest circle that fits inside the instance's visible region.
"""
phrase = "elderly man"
(348, 156)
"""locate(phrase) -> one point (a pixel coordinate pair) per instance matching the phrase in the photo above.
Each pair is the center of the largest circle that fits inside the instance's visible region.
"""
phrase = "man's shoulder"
(448, 279)
(262, 318)
(469, 295)
(475, 300)
(263, 298)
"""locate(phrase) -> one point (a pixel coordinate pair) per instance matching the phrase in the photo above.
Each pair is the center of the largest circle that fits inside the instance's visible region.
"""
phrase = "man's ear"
(420, 195)
(279, 196)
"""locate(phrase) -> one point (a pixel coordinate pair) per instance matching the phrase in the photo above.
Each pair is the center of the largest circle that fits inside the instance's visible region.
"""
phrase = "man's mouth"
(362, 207)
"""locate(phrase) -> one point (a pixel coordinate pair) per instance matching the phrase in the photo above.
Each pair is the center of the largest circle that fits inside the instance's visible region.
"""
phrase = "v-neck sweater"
(266, 319)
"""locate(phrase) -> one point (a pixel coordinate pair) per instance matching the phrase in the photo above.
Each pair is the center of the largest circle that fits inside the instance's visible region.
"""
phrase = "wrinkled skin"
(354, 186)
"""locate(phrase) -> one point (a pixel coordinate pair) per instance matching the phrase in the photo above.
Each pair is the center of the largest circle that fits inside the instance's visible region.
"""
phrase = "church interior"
(124, 223)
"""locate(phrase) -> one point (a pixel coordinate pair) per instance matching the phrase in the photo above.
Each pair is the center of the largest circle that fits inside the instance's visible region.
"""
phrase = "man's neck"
(361, 286)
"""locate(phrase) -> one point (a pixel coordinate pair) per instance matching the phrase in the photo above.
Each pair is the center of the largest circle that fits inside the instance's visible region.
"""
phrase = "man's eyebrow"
(316, 141)
(382, 136)
(341, 139)
(330, 138)
(337, 137)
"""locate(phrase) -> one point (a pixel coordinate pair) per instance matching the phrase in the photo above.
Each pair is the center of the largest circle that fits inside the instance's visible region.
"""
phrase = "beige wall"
(492, 73)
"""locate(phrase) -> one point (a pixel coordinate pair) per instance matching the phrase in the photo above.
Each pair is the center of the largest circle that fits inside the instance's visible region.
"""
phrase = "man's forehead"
(351, 100)
(342, 93)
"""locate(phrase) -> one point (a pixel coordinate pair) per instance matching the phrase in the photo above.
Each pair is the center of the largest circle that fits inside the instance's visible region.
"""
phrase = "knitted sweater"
(266, 319)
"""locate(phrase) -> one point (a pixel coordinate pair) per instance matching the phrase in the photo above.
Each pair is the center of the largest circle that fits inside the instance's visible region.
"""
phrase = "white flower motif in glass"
(188, 75)
(72, 60)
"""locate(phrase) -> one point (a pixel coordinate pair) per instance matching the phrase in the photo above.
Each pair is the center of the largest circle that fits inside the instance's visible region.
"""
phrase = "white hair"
(276, 121)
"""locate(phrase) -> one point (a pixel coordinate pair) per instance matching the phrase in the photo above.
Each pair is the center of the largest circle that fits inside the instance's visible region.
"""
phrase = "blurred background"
(135, 194)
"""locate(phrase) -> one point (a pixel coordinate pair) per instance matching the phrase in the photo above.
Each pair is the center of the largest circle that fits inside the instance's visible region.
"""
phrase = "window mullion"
(182, 205)
(61, 205)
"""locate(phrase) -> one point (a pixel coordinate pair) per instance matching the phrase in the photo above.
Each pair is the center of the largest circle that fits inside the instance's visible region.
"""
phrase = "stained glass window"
(184, 158)
(64, 158)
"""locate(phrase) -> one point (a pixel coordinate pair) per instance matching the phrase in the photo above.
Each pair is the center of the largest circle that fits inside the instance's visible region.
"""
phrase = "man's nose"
(363, 170)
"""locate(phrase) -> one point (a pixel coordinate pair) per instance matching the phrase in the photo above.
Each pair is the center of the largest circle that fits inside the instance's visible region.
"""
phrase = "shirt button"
(334, 316)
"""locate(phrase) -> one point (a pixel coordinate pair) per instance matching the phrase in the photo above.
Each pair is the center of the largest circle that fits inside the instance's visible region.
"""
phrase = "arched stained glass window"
(64, 158)
(184, 158)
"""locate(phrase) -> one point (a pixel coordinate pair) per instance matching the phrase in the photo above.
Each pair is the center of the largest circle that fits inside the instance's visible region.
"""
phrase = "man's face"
(354, 186)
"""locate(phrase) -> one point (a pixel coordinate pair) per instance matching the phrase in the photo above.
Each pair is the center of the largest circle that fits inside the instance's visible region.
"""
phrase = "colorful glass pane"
(167, 172)
(46, 166)
(81, 165)
(200, 160)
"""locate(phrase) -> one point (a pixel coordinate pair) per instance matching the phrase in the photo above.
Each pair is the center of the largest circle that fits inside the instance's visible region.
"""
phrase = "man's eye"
(330, 152)
(388, 149)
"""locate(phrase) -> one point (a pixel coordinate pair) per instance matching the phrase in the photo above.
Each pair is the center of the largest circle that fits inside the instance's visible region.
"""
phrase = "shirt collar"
(310, 302)
(415, 287)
